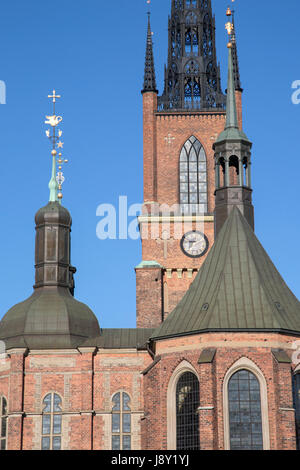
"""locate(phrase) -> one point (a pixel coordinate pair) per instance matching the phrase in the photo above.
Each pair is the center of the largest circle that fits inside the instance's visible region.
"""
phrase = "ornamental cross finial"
(54, 96)
(57, 180)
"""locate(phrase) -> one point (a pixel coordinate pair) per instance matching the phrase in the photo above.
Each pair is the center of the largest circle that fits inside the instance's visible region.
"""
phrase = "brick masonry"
(164, 136)
(87, 380)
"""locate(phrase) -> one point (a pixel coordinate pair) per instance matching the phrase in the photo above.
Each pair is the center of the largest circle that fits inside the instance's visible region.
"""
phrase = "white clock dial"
(194, 244)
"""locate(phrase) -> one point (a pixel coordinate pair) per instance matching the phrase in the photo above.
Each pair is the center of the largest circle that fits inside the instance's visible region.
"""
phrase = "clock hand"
(199, 243)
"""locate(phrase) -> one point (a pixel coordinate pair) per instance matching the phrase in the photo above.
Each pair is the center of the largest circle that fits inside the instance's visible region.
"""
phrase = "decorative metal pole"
(57, 180)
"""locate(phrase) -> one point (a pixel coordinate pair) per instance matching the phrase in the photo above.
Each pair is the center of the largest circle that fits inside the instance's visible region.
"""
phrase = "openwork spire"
(192, 75)
(149, 77)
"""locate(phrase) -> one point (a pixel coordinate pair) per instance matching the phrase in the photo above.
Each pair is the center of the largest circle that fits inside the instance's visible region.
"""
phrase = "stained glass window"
(296, 390)
(193, 178)
(52, 422)
(245, 418)
(187, 419)
(121, 422)
(3, 423)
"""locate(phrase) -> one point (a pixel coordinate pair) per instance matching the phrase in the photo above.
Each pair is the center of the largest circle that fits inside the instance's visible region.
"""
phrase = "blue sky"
(92, 52)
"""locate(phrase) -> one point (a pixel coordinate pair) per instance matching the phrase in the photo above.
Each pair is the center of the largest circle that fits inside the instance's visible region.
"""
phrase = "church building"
(210, 365)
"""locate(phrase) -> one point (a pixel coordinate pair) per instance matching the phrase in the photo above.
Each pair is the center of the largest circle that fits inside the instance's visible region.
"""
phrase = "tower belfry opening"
(192, 74)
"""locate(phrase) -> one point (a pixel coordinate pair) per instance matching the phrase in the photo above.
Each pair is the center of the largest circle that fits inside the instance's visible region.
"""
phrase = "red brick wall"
(278, 378)
(87, 383)
(164, 136)
(149, 297)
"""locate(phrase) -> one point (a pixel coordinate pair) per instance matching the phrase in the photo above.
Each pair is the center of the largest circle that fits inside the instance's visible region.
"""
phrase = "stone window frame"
(5, 417)
(52, 414)
(246, 364)
(183, 367)
(185, 177)
(121, 412)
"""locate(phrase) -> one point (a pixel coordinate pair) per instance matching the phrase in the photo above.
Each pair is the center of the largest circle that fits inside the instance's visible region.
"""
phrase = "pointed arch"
(172, 401)
(193, 177)
(245, 364)
(296, 395)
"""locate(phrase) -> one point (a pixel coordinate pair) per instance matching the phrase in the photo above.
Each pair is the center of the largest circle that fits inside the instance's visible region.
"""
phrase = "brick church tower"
(180, 126)
(222, 371)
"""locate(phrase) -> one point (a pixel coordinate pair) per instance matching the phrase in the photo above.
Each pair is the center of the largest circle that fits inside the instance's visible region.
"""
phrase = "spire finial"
(56, 181)
(231, 112)
(236, 71)
(149, 77)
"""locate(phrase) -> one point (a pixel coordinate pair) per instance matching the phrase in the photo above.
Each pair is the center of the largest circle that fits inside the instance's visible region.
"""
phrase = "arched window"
(52, 419)
(245, 415)
(121, 422)
(187, 419)
(193, 178)
(296, 390)
(3, 423)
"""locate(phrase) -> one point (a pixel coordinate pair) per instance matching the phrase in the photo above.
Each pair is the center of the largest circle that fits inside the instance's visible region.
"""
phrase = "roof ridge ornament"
(57, 180)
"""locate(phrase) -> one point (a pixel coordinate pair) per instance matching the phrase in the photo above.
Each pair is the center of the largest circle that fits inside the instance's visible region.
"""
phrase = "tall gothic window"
(193, 178)
(245, 417)
(52, 419)
(121, 422)
(187, 419)
(3, 423)
(296, 390)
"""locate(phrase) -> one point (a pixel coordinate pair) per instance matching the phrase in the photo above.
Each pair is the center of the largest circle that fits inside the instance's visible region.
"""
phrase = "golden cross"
(54, 96)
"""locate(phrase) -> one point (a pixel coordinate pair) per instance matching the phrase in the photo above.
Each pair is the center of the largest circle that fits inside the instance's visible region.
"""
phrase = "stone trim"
(183, 367)
(47, 352)
(223, 344)
(117, 351)
(87, 350)
(247, 364)
(288, 409)
(176, 219)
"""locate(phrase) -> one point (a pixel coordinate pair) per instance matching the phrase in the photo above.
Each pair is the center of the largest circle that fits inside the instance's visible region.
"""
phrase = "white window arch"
(193, 177)
(245, 364)
(172, 395)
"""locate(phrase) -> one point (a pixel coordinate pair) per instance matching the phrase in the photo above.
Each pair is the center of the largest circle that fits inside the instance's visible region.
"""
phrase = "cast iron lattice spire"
(235, 60)
(192, 76)
(149, 78)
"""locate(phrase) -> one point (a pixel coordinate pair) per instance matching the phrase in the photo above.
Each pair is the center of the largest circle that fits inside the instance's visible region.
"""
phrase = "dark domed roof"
(53, 212)
(50, 319)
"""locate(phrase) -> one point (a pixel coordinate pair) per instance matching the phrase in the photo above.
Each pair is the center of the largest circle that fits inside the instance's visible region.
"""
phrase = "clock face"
(194, 244)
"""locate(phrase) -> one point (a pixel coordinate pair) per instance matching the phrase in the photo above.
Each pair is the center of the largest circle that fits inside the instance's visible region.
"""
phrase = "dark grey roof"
(50, 319)
(237, 289)
(121, 338)
(53, 212)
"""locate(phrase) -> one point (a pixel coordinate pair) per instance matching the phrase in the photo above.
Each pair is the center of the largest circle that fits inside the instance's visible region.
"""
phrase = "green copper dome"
(50, 319)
